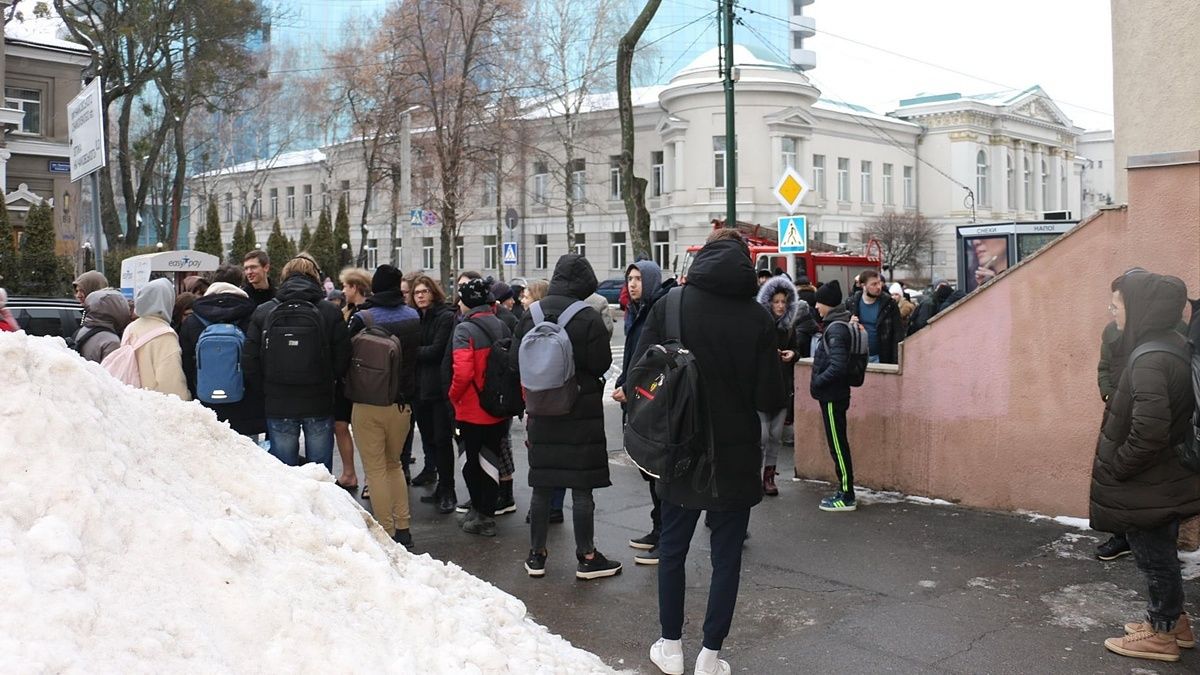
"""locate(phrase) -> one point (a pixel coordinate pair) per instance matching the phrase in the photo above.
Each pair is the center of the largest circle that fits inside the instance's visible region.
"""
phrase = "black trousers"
(1156, 556)
(437, 432)
(833, 414)
(726, 540)
(481, 471)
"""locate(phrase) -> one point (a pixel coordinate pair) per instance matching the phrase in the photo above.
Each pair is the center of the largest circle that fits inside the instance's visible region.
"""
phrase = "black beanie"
(386, 278)
(830, 294)
(474, 293)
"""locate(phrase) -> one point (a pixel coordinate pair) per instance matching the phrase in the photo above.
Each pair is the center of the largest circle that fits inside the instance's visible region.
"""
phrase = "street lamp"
(159, 246)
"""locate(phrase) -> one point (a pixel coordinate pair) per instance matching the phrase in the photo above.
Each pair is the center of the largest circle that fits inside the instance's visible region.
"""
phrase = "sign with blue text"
(793, 234)
(58, 166)
(510, 254)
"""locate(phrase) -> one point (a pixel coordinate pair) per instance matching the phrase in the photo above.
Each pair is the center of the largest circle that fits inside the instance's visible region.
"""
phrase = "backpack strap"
(367, 317)
(536, 310)
(674, 310)
(1157, 346)
(156, 332)
(570, 312)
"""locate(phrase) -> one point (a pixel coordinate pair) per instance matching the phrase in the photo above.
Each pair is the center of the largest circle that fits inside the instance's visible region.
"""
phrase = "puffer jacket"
(246, 416)
(471, 345)
(388, 311)
(1138, 482)
(831, 360)
(653, 290)
(105, 317)
(785, 326)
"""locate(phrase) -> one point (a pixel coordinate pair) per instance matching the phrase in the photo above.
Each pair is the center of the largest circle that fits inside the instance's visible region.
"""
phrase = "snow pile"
(139, 534)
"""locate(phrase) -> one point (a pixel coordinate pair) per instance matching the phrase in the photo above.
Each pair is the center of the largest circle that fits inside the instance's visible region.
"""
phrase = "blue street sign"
(59, 166)
(510, 254)
(793, 234)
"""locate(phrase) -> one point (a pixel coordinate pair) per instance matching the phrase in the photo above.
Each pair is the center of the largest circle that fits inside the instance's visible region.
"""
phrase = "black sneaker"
(431, 498)
(404, 538)
(646, 557)
(645, 543)
(535, 564)
(426, 477)
(1112, 549)
(556, 515)
(598, 567)
(463, 507)
(506, 505)
(446, 504)
(482, 525)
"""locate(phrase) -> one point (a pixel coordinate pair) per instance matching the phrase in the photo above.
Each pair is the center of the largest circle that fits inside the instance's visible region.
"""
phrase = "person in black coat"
(733, 341)
(779, 297)
(434, 417)
(295, 401)
(830, 386)
(1139, 486)
(570, 451)
(224, 303)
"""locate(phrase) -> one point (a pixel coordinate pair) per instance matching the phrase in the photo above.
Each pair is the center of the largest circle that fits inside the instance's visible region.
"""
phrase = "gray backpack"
(548, 363)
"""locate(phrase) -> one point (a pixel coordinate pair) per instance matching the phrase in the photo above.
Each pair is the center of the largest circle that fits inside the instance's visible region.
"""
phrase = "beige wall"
(1156, 79)
(997, 406)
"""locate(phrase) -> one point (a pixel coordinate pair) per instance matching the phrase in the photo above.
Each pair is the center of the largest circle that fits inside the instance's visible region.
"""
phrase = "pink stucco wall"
(996, 405)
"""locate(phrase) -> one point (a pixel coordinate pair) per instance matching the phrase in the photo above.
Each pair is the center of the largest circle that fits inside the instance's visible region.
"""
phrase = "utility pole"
(728, 76)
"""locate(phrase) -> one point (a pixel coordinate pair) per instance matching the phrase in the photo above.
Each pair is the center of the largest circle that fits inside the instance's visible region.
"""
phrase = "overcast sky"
(1063, 45)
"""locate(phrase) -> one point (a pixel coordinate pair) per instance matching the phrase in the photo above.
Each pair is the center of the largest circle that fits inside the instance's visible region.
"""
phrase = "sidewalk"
(896, 587)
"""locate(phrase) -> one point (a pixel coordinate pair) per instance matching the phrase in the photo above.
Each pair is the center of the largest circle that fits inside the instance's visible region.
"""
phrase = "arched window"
(981, 178)
(1045, 186)
(1028, 186)
(1011, 179)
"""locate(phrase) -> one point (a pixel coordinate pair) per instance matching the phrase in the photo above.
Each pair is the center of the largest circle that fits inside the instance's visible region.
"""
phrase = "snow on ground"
(139, 534)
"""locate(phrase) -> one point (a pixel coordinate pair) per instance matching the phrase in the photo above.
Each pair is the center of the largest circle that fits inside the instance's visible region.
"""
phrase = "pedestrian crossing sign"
(510, 253)
(793, 234)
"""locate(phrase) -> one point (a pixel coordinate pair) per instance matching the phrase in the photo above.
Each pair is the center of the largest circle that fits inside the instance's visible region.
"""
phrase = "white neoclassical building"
(952, 157)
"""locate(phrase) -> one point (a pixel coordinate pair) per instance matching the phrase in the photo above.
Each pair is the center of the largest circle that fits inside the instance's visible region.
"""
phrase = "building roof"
(743, 55)
(641, 96)
(856, 110)
(1005, 97)
(281, 161)
(44, 31)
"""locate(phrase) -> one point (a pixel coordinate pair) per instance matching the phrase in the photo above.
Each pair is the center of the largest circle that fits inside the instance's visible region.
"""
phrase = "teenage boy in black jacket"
(830, 386)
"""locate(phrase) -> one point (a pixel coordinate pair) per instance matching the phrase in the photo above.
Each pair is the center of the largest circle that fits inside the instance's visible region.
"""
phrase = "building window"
(459, 254)
(578, 179)
(1100, 164)
(344, 191)
(489, 191)
(427, 253)
(614, 177)
(1028, 186)
(274, 202)
(541, 179)
(324, 196)
(843, 237)
(489, 252)
(228, 206)
(657, 182)
(1062, 195)
(843, 179)
(910, 194)
(1010, 178)
(30, 102)
(541, 252)
(291, 202)
(256, 207)
(581, 245)
(244, 203)
(865, 172)
(661, 244)
(719, 162)
(1045, 186)
(819, 175)
(789, 153)
(308, 202)
(981, 178)
(618, 251)
(888, 196)
(372, 253)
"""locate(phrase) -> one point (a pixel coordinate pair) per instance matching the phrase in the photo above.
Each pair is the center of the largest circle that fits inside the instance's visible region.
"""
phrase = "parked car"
(47, 316)
(611, 290)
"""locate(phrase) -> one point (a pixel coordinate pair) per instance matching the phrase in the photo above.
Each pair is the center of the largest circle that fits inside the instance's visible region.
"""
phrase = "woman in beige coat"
(160, 361)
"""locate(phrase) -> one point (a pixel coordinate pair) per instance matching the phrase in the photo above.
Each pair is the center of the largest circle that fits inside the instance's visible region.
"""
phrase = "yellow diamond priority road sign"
(791, 189)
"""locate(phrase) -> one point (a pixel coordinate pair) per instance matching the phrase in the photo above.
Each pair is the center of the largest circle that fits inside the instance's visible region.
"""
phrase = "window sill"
(844, 206)
(868, 208)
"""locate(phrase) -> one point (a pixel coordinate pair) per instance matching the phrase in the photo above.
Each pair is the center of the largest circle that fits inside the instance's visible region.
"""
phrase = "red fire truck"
(821, 263)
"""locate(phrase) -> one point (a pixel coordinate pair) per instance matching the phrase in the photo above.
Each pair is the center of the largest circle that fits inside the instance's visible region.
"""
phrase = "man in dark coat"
(733, 340)
(874, 308)
(1139, 486)
(570, 451)
(646, 287)
(830, 387)
(224, 303)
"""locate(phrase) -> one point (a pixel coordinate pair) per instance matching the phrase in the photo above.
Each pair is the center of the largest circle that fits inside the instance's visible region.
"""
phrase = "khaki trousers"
(379, 432)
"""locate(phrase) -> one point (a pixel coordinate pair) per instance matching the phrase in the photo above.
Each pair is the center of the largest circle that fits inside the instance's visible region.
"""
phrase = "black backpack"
(668, 431)
(1189, 449)
(295, 348)
(856, 365)
(501, 393)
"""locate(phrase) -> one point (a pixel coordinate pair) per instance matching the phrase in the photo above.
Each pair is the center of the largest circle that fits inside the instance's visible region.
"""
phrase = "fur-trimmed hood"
(769, 289)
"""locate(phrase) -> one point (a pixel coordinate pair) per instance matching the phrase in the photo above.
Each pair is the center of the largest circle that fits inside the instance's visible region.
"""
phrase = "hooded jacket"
(1138, 482)
(734, 344)
(90, 282)
(160, 361)
(786, 333)
(106, 315)
(570, 451)
(890, 330)
(247, 416)
(284, 401)
(471, 345)
(389, 312)
(653, 290)
(831, 360)
(437, 323)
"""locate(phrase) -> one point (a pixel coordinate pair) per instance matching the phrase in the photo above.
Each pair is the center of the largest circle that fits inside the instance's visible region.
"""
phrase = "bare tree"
(905, 237)
(633, 188)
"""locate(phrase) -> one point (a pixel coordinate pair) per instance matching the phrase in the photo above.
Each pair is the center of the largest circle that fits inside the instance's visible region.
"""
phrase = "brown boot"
(1182, 631)
(769, 488)
(1145, 645)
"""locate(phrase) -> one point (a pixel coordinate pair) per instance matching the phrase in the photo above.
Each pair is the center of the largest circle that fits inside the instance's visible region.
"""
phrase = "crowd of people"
(389, 355)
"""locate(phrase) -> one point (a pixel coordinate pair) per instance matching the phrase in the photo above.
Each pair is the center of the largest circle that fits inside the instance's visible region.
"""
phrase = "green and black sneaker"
(840, 501)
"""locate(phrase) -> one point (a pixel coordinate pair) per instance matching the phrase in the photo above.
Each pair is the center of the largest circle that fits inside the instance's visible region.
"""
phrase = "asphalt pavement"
(897, 587)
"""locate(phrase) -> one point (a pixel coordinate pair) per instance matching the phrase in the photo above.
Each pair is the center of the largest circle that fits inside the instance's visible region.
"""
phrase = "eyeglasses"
(421, 291)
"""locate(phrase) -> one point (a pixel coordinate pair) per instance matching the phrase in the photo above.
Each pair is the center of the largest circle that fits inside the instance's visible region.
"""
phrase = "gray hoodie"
(106, 318)
(157, 299)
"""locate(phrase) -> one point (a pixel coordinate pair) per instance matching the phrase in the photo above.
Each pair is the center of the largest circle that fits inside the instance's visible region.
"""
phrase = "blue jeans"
(874, 358)
(284, 434)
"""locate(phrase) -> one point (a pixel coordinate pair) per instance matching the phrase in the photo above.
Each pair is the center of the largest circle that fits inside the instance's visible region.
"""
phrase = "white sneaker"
(716, 666)
(668, 656)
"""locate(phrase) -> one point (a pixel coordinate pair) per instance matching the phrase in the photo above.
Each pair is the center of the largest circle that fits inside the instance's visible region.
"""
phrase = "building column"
(1038, 157)
(997, 178)
(1052, 171)
(1065, 202)
(5, 155)
(1019, 175)
(677, 182)
(668, 168)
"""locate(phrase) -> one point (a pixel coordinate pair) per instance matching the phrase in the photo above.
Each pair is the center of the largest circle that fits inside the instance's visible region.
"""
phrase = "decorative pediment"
(24, 197)
(794, 120)
(1037, 105)
(671, 126)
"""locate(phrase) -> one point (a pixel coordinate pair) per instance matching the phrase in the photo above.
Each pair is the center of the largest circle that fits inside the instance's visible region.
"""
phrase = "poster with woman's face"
(986, 258)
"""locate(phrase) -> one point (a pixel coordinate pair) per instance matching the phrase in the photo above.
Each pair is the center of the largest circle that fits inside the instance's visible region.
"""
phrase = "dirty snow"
(1096, 605)
(1069, 521)
(139, 534)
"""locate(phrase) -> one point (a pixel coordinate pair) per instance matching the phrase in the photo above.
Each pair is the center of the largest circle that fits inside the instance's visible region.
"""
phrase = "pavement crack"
(971, 646)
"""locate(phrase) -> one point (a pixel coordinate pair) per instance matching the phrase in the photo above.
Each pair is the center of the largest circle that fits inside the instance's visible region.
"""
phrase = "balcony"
(804, 59)
(806, 26)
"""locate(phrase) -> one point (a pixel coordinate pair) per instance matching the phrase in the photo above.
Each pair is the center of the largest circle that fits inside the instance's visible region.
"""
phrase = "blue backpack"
(219, 363)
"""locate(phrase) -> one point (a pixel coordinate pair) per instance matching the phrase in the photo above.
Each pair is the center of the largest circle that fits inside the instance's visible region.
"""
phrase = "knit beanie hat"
(830, 294)
(386, 278)
(895, 289)
(501, 291)
(223, 287)
(474, 293)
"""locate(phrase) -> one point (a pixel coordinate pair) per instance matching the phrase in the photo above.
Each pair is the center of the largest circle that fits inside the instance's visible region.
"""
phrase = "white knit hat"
(225, 287)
